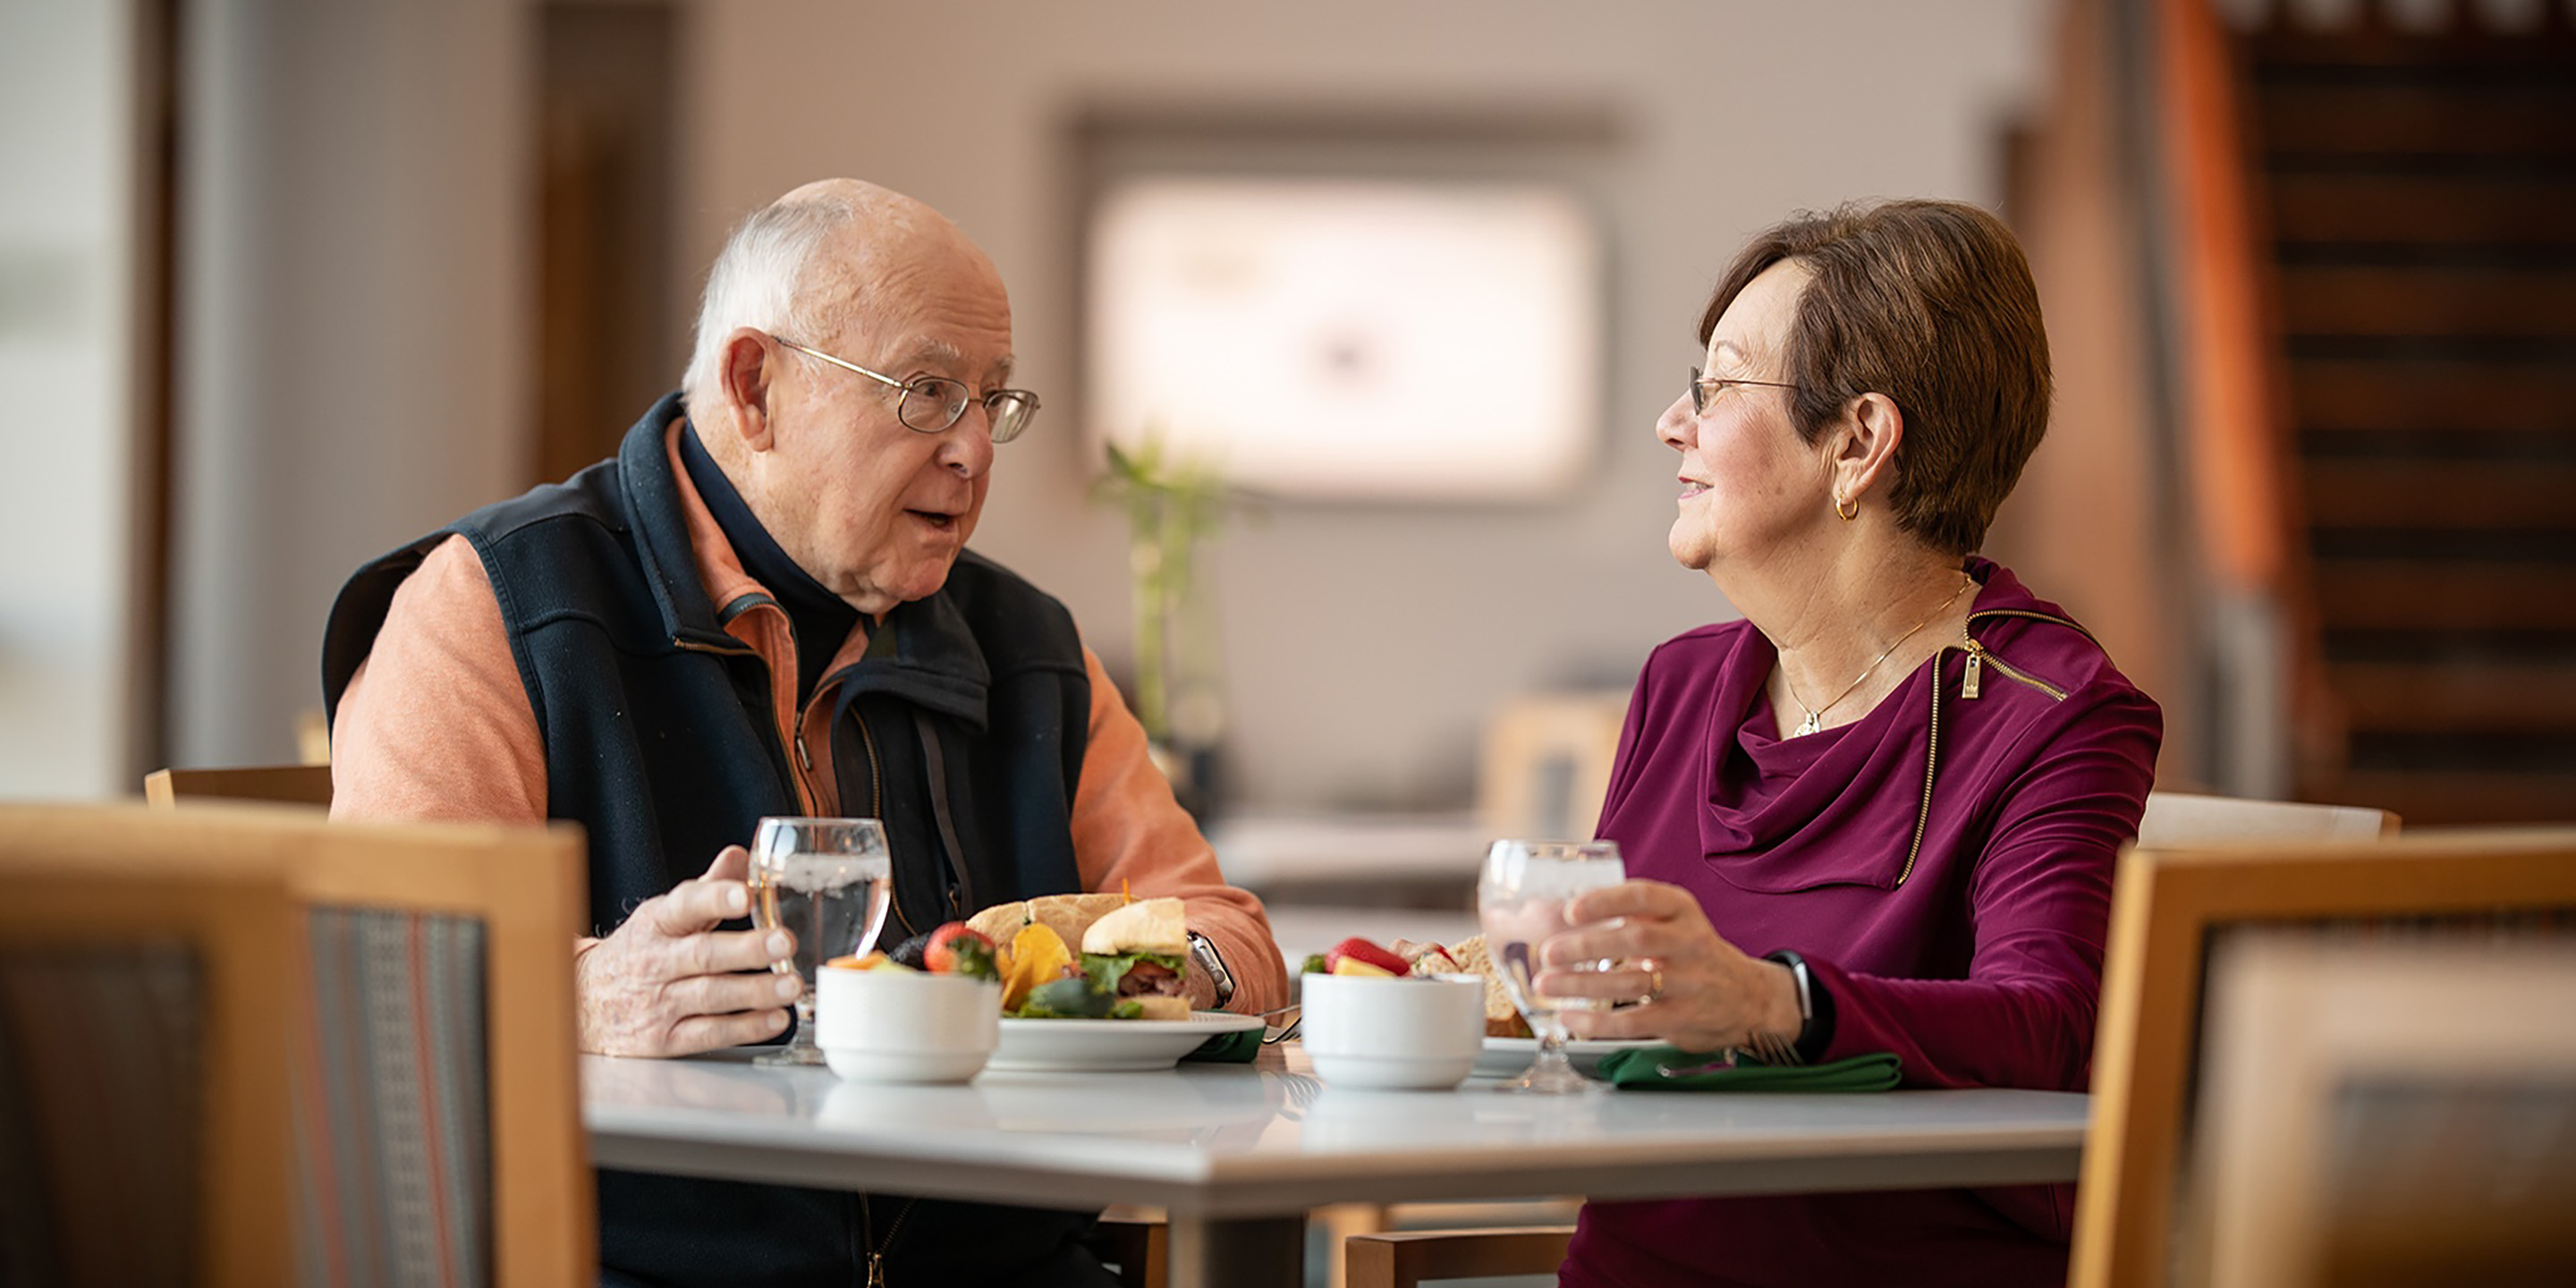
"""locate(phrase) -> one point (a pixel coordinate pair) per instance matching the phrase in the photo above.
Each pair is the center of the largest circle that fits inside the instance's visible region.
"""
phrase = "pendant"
(1815, 720)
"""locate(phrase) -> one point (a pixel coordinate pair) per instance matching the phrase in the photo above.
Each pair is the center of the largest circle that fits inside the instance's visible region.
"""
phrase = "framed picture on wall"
(1356, 338)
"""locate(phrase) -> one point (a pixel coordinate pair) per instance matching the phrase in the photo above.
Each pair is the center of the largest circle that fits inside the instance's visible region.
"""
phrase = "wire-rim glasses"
(931, 404)
(1705, 389)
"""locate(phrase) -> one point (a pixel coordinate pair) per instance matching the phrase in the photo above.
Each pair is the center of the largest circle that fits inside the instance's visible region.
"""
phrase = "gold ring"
(1655, 992)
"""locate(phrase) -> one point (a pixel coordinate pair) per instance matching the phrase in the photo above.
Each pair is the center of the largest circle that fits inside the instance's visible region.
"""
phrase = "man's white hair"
(757, 278)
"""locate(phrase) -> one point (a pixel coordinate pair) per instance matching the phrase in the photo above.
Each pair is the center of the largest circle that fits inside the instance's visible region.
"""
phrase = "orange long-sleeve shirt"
(436, 724)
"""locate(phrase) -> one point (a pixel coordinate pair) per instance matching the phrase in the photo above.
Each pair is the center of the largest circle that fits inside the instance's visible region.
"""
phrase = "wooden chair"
(2400, 1110)
(2171, 818)
(144, 1062)
(2167, 908)
(438, 1038)
(284, 784)
(2181, 818)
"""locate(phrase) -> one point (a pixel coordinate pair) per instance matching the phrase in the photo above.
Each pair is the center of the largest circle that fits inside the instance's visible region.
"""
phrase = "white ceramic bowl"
(1393, 1034)
(905, 1026)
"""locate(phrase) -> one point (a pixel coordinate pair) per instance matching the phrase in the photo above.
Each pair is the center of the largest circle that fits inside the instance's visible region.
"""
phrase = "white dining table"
(1237, 1153)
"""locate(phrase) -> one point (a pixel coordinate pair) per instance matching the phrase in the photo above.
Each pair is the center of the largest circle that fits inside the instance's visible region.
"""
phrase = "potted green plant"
(1172, 504)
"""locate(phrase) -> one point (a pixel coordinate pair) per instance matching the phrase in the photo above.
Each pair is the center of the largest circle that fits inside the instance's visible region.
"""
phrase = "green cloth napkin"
(1642, 1068)
(1238, 1047)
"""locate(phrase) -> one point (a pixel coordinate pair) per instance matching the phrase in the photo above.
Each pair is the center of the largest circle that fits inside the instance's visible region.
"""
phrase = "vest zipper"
(876, 809)
(876, 774)
(695, 646)
(877, 1248)
(795, 784)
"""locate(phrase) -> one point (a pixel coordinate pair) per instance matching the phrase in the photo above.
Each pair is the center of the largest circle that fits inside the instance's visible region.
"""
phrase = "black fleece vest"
(962, 728)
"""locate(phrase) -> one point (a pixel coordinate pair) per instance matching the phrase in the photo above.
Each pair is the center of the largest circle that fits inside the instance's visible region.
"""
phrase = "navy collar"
(820, 620)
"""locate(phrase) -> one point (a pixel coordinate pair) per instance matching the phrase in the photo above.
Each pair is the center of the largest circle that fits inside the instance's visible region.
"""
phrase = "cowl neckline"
(1783, 814)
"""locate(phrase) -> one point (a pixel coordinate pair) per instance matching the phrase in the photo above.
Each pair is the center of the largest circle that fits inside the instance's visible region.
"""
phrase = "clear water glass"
(1521, 899)
(828, 882)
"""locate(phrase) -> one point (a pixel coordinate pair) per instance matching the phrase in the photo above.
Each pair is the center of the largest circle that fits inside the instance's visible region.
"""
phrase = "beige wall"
(353, 303)
(66, 194)
(1364, 646)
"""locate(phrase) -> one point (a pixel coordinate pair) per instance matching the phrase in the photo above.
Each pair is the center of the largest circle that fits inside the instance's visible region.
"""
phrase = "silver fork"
(1288, 1031)
(1769, 1048)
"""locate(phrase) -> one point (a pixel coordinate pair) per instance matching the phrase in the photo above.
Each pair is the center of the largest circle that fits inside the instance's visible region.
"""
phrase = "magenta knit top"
(1944, 864)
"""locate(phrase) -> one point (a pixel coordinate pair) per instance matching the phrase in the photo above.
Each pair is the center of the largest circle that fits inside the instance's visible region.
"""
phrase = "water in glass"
(1521, 899)
(829, 883)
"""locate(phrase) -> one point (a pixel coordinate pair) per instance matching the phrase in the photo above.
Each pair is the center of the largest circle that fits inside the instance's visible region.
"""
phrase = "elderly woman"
(1879, 813)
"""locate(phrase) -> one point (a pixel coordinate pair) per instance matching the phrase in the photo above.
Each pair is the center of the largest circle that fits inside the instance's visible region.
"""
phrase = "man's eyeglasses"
(1704, 389)
(931, 404)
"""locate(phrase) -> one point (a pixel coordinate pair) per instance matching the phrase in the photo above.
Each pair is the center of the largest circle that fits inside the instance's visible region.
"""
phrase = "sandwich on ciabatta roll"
(1140, 953)
(1068, 915)
(1502, 1019)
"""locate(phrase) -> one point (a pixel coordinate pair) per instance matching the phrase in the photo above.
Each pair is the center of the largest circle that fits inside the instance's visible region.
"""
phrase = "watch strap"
(1815, 1006)
(1203, 955)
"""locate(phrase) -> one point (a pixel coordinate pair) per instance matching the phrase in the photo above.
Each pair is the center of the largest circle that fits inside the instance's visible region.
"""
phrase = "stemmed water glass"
(828, 882)
(1521, 898)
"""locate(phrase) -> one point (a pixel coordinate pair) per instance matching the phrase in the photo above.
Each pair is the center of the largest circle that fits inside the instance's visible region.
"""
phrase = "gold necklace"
(1816, 715)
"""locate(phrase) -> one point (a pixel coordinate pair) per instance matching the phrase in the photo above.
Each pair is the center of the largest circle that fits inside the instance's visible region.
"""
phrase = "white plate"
(1508, 1057)
(1107, 1046)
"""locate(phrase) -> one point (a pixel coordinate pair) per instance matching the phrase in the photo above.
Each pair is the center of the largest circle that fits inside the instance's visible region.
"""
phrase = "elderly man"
(764, 605)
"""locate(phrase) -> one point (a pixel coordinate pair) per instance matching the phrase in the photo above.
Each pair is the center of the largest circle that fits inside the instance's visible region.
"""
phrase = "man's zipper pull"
(876, 1270)
(1975, 671)
(804, 759)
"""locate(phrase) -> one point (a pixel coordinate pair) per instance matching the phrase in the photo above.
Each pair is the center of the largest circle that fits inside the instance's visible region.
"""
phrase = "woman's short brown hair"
(1931, 304)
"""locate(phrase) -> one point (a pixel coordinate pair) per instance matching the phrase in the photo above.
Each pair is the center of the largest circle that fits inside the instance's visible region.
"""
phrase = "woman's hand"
(1700, 992)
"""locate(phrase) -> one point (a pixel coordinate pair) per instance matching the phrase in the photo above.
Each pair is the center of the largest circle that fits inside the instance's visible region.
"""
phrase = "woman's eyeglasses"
(1705, 389)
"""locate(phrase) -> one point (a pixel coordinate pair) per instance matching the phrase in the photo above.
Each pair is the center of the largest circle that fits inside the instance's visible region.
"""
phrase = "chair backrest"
(1545, 763)
(2181, 818)
(1404, 1259)
(2167, 905)
(144, 1059)
(284, 784)
(438, 1116)
(2397, 1110)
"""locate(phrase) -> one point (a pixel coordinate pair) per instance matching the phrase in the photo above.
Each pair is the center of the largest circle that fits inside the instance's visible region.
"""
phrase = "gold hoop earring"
(1846, 510)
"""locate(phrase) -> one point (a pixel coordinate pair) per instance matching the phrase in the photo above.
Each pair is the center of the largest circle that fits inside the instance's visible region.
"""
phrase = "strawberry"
(1361, 950)
(956, 950)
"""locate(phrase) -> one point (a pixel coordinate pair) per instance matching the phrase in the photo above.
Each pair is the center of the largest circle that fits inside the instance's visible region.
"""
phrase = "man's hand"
(666, 982)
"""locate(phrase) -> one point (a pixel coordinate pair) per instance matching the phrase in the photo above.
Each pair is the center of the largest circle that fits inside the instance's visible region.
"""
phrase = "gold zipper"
(1931, 764)
(1971, 679)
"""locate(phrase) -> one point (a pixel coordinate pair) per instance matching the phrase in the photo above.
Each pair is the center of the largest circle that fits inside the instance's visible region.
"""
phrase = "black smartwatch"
(1203, 956)
(1815, 1007)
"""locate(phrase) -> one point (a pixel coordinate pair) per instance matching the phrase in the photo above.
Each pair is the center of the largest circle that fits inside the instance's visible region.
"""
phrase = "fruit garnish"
(873, 961)
(1362, 950)
(956, 950)
(1036, 956)
(1350, 966)
(1315, 965)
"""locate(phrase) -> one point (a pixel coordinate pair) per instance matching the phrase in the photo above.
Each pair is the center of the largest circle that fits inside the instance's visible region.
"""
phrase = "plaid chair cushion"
(393, 1132)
